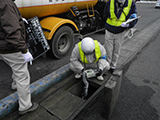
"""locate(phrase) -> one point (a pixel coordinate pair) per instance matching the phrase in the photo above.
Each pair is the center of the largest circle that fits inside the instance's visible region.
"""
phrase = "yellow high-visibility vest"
(113, 20)
(97, 52)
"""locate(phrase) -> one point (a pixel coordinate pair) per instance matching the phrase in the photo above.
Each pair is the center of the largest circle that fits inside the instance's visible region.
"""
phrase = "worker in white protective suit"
(89, 54)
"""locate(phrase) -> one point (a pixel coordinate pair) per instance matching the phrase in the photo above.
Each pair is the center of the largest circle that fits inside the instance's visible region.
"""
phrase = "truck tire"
(62, 42)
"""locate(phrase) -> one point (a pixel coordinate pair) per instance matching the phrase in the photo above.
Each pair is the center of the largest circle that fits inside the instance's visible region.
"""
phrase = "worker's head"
(88, 45)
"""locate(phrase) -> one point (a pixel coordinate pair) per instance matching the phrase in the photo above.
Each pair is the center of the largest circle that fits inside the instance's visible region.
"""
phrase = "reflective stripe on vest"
(113, 20)
(97, 52)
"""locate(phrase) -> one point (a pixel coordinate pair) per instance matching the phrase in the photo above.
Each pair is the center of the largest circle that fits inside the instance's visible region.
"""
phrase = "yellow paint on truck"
(42, 8)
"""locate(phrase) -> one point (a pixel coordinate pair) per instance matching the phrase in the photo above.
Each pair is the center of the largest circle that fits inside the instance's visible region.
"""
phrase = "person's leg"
(117, 48)
(22, 78)
(76, 70)
(109, 45)
(104, 66)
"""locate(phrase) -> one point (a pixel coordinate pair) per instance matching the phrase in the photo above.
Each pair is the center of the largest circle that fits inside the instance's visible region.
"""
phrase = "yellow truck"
(61, 20)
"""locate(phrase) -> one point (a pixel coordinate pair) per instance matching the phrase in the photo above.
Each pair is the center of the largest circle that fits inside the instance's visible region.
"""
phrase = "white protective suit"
(77, 66)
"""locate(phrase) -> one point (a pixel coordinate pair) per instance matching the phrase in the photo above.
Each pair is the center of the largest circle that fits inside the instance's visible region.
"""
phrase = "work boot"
(78, 75)
(32, 108)
(111, 70)
(100, 78)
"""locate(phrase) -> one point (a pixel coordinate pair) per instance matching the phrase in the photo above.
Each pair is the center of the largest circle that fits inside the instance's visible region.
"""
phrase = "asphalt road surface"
(139, 97)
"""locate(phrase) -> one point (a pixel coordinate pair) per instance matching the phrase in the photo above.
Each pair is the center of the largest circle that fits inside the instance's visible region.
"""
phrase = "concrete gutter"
(10, 103)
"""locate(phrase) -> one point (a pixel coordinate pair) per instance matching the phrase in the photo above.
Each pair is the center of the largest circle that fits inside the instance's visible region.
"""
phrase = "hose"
(86, 85)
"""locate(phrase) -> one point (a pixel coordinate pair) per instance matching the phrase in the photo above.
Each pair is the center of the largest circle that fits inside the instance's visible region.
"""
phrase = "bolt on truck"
(62, 19)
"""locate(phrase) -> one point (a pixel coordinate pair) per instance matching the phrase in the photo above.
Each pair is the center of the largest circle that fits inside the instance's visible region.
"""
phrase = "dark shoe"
(32, 108)
(111, 70)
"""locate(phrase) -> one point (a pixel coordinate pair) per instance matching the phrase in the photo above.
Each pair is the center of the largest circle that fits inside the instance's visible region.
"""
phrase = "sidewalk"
(130, 48)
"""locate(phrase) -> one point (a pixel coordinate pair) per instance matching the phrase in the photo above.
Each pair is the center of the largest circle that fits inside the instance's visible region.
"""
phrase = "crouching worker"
(89, 54)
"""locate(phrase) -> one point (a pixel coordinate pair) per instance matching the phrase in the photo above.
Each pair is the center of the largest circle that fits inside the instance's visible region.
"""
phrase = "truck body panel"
(42, 8)
(53, 23)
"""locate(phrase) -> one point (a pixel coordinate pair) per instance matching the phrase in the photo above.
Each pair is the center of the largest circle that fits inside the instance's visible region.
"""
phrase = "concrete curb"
(10, 103)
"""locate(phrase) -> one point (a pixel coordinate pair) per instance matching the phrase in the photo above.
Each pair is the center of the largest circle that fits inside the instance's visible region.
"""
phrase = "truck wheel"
(62, 42)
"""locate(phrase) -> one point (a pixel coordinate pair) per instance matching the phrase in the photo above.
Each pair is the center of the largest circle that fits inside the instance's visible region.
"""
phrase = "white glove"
(28, 57)
(124, 25)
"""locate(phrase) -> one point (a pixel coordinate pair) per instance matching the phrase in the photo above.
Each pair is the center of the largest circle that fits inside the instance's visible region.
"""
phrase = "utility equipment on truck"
(61, 19)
